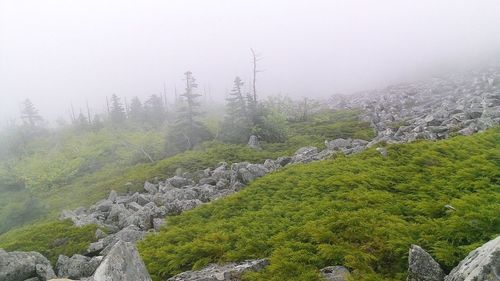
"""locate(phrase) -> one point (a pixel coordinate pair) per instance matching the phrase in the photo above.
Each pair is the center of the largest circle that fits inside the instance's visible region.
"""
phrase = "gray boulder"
(304, 154)
(482, 264)
(150, 188)
(122, 263)
(422, 267)
(179, 182)
(77, 266)
(337, 144)
(19, 266)
(112, 196)
(253, 142)
(226, 272)
(335, 273)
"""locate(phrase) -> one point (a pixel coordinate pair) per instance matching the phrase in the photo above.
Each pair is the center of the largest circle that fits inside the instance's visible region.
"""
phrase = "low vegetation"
(68, 168)
(362, 212)
(51, 239)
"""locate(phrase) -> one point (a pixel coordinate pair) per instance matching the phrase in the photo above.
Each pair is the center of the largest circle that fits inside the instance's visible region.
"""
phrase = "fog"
(64, 52)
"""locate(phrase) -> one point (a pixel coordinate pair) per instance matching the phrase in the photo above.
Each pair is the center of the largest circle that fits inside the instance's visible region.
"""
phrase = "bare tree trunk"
(254, 56)
(88, 112)
(72, 113)
(107, 104)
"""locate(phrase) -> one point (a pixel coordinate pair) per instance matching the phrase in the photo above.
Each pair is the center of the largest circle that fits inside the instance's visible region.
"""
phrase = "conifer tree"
(187, 130)
(136, 110)
(30, 115)
(155, 110)
(117, 113)
(237, 125)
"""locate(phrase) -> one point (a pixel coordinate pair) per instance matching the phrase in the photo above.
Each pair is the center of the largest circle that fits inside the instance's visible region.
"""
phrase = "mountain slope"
(362, 212)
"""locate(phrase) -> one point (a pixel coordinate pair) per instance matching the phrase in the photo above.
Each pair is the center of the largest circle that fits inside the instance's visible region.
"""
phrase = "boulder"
(253, 142)
(158, 224)
(179, 182)
(150, 188)
(226, 272)
(283, 161)
(77, 266)
(422, 267)
(118, 214)
(112, 196)
(482, 264)
(337, 144)
(304, 154)
(335, 273)
(19, 266)
(122, 263)
(251, 172)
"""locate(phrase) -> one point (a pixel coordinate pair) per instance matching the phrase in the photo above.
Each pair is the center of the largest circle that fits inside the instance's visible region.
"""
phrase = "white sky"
(70, 51)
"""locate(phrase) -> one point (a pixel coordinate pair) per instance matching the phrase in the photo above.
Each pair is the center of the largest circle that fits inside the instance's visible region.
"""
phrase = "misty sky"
(70, 51)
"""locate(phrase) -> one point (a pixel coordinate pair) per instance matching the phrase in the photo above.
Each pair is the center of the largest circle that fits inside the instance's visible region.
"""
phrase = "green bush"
(51, 239)
(362, 212)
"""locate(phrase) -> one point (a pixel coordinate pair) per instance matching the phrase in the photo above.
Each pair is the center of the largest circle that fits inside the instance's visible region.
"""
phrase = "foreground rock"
(77, 266)
(227, 272)
(335, 273)
(422, 267)
(482, 264)
(123, 263)
(20, 266)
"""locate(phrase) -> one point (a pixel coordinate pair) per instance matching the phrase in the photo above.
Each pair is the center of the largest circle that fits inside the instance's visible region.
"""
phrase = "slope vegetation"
(362, 212)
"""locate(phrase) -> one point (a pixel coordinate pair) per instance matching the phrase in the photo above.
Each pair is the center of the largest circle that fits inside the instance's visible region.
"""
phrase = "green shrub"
(51, 239)
(362, 212)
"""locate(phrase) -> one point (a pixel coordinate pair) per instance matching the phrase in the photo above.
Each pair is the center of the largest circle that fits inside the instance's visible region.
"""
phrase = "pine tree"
(187, 130)
(155, 110)
(82, 123)
(30, 115)
(136, 110)
(117, 113)
(237, 125)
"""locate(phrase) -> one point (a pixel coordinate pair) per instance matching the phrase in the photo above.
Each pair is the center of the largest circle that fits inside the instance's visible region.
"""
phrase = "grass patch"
(362, 212)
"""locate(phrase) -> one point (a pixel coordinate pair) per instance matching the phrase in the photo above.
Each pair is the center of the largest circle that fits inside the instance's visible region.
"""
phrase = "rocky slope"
(429, 110)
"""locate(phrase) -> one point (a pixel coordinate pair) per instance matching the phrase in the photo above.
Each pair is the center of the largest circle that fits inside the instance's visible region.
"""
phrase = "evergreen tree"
(155, 110)
(237, 125)
(81, 123)
(187, 130)
(117, 113)
(136, 110)
(30, 115)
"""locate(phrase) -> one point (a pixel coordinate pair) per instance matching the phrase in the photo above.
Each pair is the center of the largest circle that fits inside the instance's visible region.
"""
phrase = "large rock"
(422, 267)
(130, 233)
(77, 266)
(482, 264)
(335, 273)
(226, 272)
(253, 142)
(304, 154)
(123, 263)
(19, 266)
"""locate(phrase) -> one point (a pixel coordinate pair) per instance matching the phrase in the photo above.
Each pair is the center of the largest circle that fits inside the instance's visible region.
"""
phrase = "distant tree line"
(184, 120)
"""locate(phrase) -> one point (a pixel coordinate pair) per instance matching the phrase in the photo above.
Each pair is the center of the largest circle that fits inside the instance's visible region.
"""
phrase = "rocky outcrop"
(226, 272)
(19, 266)
(335, 273)
(422, 267)
(77, 266)
(482, 264)
(433, 109)
(122, 263)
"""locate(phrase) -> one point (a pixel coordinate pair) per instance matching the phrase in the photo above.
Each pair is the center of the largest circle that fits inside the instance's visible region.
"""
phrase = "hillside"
(84, 167)
(361, 211)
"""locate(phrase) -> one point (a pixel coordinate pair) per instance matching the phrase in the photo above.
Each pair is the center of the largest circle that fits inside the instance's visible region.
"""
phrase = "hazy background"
(70, 51)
